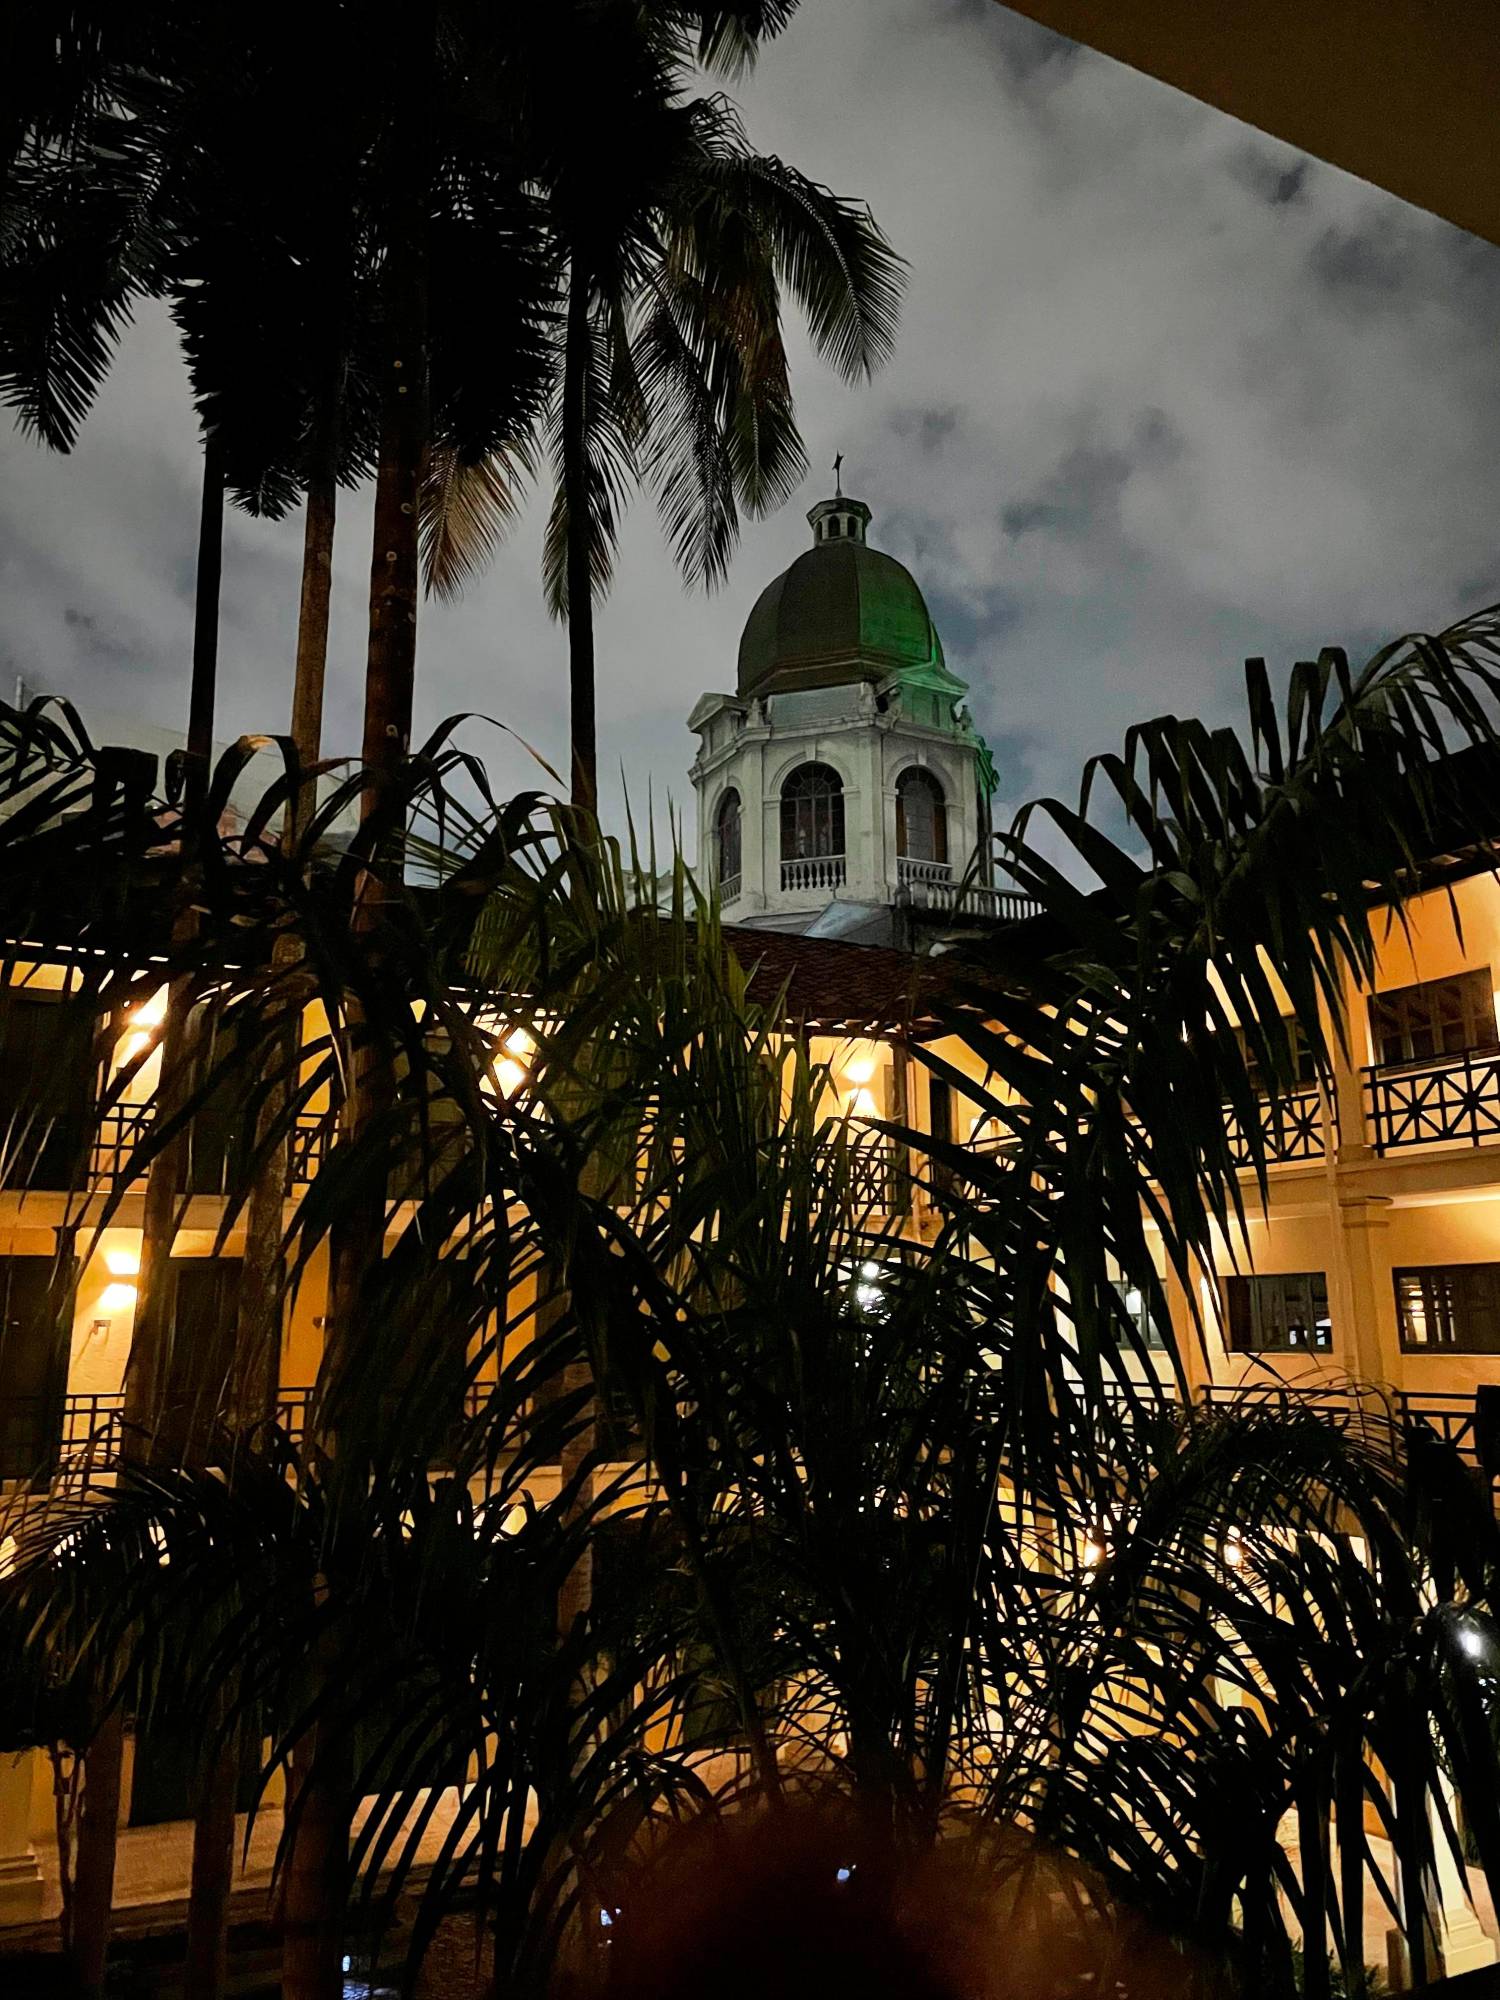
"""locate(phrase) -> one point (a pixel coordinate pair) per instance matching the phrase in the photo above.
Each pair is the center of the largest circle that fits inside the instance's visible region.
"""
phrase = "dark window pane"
(1455, 1307)
(1435, 1017)
(1304, 1069)
(1134, 1301)
(36, 1312)
(921, 817)
(728, 838)
(812, 814)
(205, 1313)
(46, 1086)
(1280, 1313)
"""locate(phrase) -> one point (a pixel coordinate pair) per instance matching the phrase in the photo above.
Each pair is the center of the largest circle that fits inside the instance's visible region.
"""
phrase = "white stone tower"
(843, 779)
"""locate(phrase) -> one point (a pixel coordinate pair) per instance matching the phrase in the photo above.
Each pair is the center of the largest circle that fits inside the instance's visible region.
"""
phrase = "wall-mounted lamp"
(511, 1064)
(144, 1022)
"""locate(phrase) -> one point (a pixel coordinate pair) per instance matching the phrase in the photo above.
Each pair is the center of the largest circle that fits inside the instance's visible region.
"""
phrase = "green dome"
(842, 612)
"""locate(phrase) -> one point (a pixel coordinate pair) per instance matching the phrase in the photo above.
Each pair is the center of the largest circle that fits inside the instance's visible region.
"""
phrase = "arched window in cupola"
(728, 827)
(812, 813)
(921, 817)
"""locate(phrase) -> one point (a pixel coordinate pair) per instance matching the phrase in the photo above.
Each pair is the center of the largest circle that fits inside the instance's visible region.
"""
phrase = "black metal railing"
(291, 1412)
(1336, 1405)
(1450, 1416)
(118, 1133)
(120, 1130)
(44, 1436)
(1290, 1129)
(1444, 1099)
(873, 1180)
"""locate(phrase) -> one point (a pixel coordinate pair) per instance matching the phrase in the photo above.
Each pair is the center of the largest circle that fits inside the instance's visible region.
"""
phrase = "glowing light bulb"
(1234, 1549)
(509, 1067)
(860, 1069)
(1095, 1549)
(117, 1298)
(123, 1263)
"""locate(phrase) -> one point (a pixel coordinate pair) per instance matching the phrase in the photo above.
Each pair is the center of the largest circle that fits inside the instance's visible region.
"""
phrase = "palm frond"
(467, 511)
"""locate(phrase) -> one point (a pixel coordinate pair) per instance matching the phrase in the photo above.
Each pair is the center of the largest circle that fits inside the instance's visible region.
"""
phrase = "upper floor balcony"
(934, 885)
(1435, 1077)
(55, 1439)
(217, 1153)
(1291, 1129)
(1442, 1100)
(814, 874)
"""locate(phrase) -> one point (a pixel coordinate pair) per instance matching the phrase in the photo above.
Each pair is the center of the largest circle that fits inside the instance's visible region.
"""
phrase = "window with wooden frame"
(1283, 1312)
(1436, 1017)
(921, 817)
(1449, 1308)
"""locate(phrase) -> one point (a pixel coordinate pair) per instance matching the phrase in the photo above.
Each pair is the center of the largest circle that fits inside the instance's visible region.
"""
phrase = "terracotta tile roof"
(829, 983)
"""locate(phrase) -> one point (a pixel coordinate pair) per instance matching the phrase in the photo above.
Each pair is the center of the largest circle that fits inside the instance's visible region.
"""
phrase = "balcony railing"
(818, 872)
(55, 1435)
(1290, 1129)
(931, 885)
(1451, 1417)
(120, 1130)
(911, 873)
(729, 888)
(1445, 1099)
(874, 1181)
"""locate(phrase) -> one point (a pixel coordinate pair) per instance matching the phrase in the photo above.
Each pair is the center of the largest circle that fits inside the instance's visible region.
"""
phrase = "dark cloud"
(928, 430)
(1274, 173)
(1366, 262)
(1082, 495)
(1165, 397)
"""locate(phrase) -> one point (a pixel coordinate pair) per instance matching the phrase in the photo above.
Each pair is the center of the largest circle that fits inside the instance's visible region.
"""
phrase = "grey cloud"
(1257, 398)
(929, 430)
(1082, 493)
(1275, 174)
(1369, 261)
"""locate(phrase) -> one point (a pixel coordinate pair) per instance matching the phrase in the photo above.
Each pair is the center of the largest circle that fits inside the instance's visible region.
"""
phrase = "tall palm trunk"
(316, 1885)
(585, 749)
(576, 1593)
(252, 1394)
(145, 1373)
(390, 672)
(258, 1348)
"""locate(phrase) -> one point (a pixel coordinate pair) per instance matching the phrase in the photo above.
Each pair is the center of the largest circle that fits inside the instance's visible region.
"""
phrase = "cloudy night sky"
(1166, 394)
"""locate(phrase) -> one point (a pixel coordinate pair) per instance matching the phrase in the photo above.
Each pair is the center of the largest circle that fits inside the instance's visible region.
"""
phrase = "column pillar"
(20, 1871)
(1371, 1343)
(750, 776)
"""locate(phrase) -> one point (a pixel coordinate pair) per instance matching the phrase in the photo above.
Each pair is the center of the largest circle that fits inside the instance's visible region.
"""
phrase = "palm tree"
(670, 245)
(909, 1538)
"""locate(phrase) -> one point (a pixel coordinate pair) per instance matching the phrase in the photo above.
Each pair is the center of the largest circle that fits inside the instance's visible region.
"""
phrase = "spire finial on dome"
(838, 475)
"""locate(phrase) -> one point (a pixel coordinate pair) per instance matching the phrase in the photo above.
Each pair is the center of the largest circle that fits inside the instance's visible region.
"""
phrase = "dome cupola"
(843, 612)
